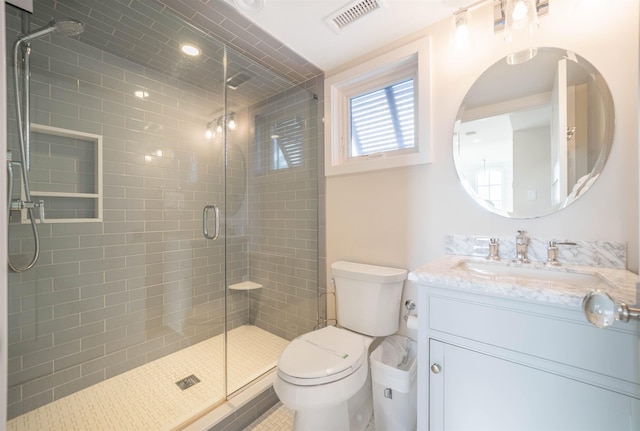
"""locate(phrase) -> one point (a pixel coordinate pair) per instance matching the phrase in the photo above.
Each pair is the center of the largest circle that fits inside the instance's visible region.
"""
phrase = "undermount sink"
(495, 270)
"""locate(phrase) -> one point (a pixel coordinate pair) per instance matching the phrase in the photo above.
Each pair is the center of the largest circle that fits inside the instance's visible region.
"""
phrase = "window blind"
(383, 120)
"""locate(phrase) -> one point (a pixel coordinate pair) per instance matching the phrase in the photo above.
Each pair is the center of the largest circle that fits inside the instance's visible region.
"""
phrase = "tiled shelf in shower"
(66, 173)
(245, 285)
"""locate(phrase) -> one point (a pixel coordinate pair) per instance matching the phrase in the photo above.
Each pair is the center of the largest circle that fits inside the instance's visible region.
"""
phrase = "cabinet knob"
(436, 368)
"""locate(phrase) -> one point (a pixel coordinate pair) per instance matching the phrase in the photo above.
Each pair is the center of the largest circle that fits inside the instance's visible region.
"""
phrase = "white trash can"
(393, 381)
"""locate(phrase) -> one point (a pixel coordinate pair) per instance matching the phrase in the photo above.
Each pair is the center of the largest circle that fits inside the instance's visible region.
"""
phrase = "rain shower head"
(65, 26)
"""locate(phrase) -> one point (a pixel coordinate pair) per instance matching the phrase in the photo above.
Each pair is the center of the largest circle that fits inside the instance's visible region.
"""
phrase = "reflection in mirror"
(532, 137)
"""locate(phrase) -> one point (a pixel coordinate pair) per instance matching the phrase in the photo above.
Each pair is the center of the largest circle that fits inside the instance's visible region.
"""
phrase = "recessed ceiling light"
(189, 49)
(249, 6)
(141, 94)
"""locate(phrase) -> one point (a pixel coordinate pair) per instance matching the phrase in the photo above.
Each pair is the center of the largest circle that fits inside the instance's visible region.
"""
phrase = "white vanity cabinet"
(494, 362)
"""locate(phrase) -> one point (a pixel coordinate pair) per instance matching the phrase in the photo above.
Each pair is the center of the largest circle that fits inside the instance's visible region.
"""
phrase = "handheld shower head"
(65, 26)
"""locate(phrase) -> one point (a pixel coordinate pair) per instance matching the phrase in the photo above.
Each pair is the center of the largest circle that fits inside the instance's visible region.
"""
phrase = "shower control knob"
(436, 368)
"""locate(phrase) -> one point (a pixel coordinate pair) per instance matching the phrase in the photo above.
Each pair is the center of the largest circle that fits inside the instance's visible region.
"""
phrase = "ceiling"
(147, 33)
(300, 25)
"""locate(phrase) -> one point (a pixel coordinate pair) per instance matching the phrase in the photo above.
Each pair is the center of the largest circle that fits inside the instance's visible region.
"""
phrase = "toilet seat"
(322, 356)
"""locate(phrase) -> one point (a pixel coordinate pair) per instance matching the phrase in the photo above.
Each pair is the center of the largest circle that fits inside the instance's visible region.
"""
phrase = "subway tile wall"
(283, 217)
(107, 297)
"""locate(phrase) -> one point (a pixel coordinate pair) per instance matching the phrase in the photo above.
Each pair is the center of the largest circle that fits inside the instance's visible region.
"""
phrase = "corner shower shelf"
(245, 285)
(67, 172)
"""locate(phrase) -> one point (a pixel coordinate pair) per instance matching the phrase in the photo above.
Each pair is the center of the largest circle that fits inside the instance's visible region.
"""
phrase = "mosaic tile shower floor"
(151, 400)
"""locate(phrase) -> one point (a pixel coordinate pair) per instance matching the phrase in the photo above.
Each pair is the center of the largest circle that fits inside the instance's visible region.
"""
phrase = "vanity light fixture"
(460, 28)
(218, 122)
(231, 124)
(209, 132)
(519, 14)
(141, 94)
(521, 56)
(508, 15)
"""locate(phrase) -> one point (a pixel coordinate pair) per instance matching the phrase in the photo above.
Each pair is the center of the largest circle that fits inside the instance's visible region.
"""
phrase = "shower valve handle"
(19, 205)
(40, 206)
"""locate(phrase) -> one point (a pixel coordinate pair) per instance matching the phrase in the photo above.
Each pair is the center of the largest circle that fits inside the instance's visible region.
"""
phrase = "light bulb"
(519, 14)
(209, 133)
(460, 30)
(232, 124)
(519, 10)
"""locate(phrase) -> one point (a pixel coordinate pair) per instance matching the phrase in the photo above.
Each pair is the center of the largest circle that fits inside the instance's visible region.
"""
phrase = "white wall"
(398, 217)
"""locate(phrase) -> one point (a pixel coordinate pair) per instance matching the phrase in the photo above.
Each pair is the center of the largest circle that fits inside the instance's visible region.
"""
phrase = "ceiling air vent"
(353, 12)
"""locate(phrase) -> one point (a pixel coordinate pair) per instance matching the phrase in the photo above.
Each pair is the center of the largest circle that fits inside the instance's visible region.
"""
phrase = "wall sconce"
(218, 122)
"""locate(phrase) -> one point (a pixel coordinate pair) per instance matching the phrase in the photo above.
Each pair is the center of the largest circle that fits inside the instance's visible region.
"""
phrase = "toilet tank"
(368, 297)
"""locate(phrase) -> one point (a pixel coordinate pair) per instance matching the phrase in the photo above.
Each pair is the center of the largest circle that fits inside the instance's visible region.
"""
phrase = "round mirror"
(533, 132)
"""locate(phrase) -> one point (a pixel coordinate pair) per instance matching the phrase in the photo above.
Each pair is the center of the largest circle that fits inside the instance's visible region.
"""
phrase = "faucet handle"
(493, 249)
(552, 251)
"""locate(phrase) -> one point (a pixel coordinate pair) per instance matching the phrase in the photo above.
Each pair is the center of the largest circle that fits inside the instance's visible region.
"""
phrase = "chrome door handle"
(205, 224)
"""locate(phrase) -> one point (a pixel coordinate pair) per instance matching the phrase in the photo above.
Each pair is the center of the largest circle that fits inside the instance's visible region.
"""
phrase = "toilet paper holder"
(409, 306)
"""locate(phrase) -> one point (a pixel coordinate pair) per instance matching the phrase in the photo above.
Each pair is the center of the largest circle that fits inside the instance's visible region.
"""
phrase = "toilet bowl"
(324, 375)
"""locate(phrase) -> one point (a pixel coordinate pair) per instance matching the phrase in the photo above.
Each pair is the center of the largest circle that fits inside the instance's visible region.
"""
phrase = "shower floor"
(147, 398)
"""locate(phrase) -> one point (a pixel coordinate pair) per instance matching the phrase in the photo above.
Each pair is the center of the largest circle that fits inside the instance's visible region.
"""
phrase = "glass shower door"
(120, 321)
(272, 217)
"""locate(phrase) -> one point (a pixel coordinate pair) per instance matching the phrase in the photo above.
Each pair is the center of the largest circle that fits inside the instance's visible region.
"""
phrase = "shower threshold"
(147, 398)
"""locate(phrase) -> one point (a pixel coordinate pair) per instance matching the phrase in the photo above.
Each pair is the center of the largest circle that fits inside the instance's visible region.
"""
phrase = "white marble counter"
(447, 272)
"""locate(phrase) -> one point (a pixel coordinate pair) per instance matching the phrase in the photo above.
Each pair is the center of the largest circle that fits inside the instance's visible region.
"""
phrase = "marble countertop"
(448, 271)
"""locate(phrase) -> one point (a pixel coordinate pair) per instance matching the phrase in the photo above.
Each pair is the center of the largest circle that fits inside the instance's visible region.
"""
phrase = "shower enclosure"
(163, 232)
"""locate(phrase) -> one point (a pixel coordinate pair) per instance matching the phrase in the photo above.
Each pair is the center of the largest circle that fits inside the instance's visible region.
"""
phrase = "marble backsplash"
(603, 254)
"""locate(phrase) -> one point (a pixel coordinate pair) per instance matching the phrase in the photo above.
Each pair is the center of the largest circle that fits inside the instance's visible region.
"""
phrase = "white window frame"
(341, 87)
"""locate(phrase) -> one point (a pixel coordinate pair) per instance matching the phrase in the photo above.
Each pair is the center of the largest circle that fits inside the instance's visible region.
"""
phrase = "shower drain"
(187, 382)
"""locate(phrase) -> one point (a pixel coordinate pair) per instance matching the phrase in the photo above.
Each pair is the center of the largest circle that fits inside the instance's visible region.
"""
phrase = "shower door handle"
(205, 222)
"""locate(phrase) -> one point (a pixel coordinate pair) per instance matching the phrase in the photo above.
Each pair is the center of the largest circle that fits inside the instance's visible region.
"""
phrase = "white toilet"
(324, 375)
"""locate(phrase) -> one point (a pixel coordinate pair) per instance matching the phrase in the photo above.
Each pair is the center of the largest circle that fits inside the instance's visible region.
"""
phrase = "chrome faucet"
(552, 251)
(522, 244)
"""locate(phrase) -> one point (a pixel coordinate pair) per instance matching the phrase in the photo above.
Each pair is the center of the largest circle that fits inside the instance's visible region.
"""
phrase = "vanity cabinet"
(491, 362)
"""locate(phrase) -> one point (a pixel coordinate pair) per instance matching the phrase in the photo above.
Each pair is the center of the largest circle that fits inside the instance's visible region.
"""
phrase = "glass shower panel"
(122, 315)
(272, 216)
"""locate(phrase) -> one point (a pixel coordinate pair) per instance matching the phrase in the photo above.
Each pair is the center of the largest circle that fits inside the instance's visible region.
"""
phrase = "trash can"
(393, 381)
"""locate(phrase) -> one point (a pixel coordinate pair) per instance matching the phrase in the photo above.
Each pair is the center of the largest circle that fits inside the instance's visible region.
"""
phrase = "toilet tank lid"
(365, 272)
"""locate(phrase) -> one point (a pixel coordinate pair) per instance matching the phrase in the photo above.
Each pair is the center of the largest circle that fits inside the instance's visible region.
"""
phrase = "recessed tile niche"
(66, 173)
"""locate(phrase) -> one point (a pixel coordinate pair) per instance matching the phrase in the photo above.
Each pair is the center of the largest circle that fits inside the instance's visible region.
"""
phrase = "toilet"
(324, 375)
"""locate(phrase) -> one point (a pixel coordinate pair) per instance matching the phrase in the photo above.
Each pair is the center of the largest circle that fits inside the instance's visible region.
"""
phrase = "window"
(377, 113)
(286, 143)
(383, 120)
(489, 186)
(280, 140)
